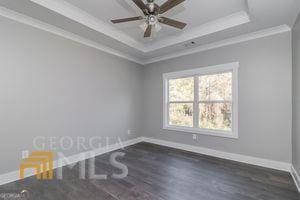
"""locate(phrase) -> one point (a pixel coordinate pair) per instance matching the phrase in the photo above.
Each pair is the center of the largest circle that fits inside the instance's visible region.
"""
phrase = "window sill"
(216, 133)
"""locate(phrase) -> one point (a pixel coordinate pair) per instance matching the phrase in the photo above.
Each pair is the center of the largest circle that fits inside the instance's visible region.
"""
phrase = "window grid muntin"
(222, 68)
(196, 103)
(215, 101)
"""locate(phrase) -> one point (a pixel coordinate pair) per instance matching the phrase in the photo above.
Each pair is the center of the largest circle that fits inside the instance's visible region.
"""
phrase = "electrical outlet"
(194, 136)
(25, 154)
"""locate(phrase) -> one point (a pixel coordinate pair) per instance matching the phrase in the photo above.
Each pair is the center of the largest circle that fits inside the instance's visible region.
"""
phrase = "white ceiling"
(209, 21)
(194, 13)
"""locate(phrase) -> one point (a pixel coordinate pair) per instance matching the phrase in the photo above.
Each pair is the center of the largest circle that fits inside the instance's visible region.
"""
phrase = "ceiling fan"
(152, 15)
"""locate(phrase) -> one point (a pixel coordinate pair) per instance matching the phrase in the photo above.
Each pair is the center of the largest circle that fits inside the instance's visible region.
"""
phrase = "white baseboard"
(221, 154)
(296, 177)
(14, 176)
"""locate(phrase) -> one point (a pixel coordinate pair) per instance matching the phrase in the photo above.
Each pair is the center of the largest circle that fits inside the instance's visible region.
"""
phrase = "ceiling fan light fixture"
(157, 27)
(144, 26)
(152, 19)
(152, 13)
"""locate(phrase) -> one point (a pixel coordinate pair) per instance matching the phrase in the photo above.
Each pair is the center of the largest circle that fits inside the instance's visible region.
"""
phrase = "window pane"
(181, 89)
(215, 87)
(215, 116)
(181, 114)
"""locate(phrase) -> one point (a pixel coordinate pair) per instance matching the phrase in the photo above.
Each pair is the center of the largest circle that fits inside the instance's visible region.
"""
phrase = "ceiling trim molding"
(217, 25)
(239, 39)
(10, 14)
(72, 12)
(295, 14)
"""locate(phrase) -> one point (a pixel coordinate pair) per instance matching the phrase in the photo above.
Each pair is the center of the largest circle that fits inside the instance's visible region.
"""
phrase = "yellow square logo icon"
(41, 161)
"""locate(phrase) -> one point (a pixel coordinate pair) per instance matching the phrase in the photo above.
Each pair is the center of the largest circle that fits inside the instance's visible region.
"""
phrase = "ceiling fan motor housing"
(153, 8)
(152, 19)
(152, 12)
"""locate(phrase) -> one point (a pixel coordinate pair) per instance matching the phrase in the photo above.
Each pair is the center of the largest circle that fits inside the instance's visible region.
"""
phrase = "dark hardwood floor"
(159, 173)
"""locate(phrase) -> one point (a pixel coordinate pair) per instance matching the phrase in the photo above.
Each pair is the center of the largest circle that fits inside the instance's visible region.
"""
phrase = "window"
(202, 100)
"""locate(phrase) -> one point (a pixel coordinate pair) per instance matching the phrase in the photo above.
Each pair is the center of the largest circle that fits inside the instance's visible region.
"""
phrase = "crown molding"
(223, 23)
(230, 41)
(295, 14)
(76, 14)
(10, 14)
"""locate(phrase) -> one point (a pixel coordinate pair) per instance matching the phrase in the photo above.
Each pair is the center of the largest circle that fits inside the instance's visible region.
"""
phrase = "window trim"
(233, 67)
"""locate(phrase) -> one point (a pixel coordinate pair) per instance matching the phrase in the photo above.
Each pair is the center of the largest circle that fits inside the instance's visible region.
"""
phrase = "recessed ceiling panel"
(208, 22)
(193, 12)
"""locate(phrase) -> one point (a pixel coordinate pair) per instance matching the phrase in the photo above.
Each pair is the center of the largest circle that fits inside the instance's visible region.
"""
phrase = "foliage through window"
(202, 100)
(215, 95)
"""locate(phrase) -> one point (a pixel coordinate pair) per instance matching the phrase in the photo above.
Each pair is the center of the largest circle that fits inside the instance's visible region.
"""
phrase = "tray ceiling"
(209, 21)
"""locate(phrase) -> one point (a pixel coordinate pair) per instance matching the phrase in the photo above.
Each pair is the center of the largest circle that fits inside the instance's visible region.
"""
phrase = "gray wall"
(296, 95)
(265, 97)
(50, 86)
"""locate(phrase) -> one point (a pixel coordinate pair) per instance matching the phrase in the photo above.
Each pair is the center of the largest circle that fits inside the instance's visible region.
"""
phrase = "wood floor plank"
(160, 173)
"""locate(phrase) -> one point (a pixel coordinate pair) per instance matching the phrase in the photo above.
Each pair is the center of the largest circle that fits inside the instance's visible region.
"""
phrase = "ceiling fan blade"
(172, 22)
(148, 31)
(169, 5)
(115, 21)
(141, 5)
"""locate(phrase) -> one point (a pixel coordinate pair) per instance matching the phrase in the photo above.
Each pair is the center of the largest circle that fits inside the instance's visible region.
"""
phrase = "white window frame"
(229, 67)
